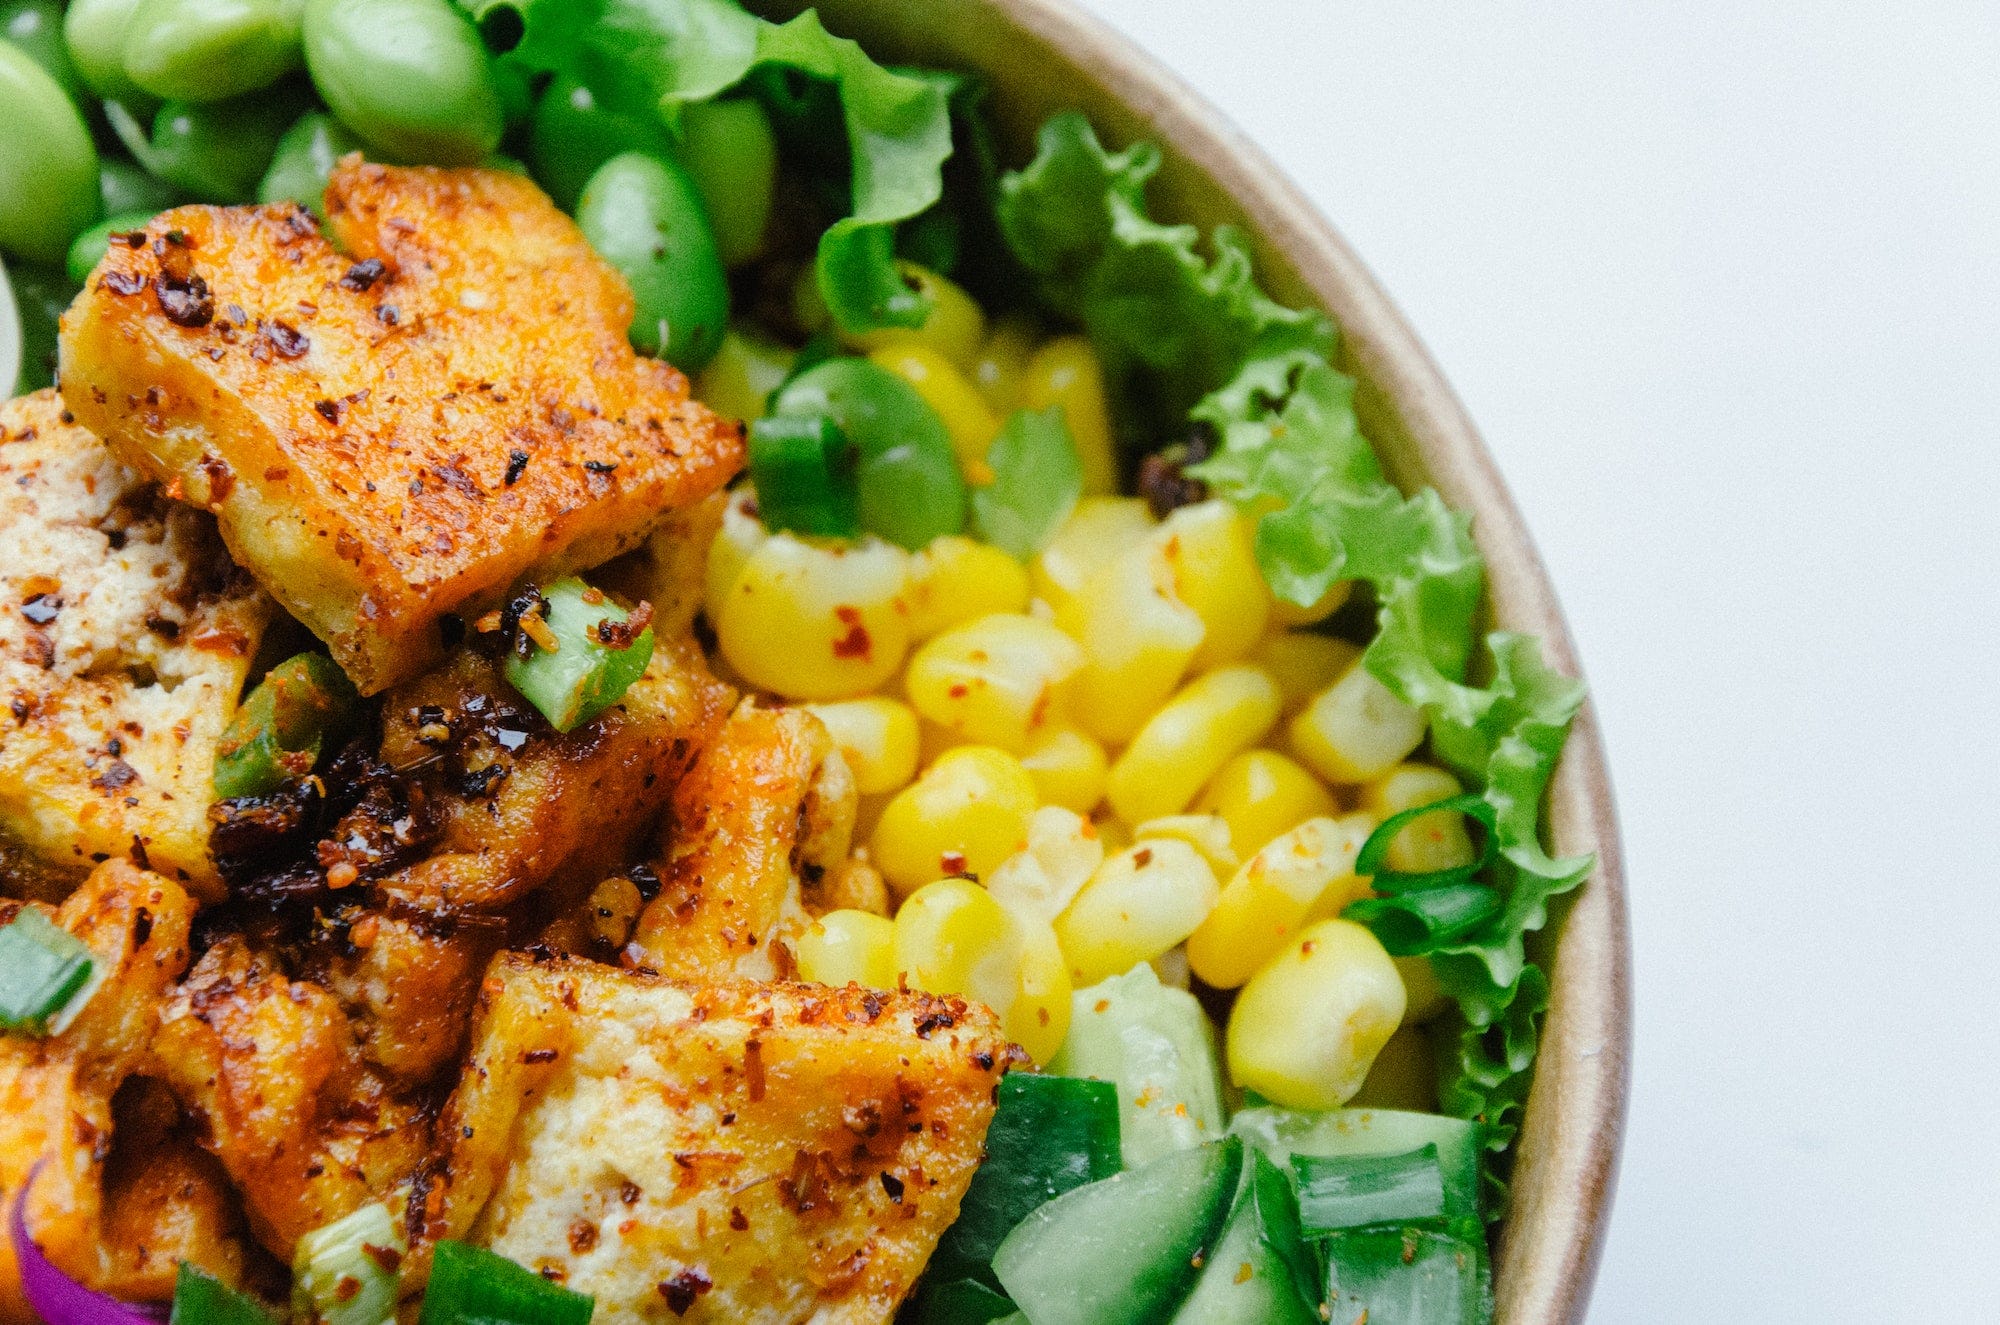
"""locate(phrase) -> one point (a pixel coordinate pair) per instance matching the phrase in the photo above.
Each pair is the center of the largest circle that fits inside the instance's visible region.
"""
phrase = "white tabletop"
(1721, 283)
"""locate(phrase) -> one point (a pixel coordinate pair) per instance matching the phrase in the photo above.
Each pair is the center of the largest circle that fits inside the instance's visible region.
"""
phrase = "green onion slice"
(473, 1286)
(804, 471)
(1421, 921)
(597, 657)
(281, 728)
(1355, 1191)
(45, 975)
(202, 1299)
(1404, 1276)
(1369, 862)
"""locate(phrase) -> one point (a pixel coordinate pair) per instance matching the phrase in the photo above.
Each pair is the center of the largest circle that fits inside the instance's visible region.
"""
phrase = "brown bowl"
(1044, 56)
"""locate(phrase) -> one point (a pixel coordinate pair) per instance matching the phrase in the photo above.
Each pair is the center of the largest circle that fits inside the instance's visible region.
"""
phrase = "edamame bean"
(206, 50)
(729, 150)
(574, 133)
(911, 489)
(304, 160)
(88, 249)
(645, 217)
(48, 165)
(409, 77)
(125, 187)
(95, 33)
(36, 27)
(216, 151)
(41, 294)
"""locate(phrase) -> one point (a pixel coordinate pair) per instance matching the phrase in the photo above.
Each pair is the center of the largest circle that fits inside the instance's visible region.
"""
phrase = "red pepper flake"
(347, 1289)
(541, 1056)
(737, 1219)
(854, 644)
(753, 1069)
(362, 275)
(388, 1258)
(953, 864)
(681, 1290)
(123, 282)
(1142, 857)
(582, 1236)
(116, 775)
(287, 341)
(184, 299)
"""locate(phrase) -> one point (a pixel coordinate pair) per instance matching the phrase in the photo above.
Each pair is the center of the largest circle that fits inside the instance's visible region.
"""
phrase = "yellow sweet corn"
(994, 680)
(1000, 369)
(1116, 835)
(1096, 532)
(1275, 893)
(843, 947)
(1191, 737)
(955, 328)
(1068, 767)
(963, 815)
(1066, 372)
(1208, 834)
(1302, 663)
(878, 738)
(953, 937)
(1137, 638)
(741, 534)
(1290, 614)
(1063, 851)
(1307, 1027)
(970, 424)
(1139, 903)
(1355, 730)
(1429, 841)
(1209, 548)
(955, 578)
(1261, 794)
(809, 620)
(746, 369)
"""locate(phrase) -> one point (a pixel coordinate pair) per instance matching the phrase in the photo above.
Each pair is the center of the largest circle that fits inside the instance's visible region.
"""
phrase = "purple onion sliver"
(59, 1299)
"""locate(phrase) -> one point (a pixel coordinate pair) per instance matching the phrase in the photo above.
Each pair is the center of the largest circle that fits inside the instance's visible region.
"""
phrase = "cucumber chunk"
(1258, 1274)
(1123, 1251)
(1157, 1046)
(1404, 1276)
(1282, 1133)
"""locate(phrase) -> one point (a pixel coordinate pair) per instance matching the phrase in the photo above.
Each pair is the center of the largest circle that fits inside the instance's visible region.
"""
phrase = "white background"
(1721, 283)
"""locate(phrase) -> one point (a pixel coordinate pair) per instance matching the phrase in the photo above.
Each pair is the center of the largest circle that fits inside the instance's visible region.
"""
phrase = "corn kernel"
(1116, 835)
(742, 533)
(1429, 841)
(1066, 372)
(1209, 546)
(1307, 1027)
(955, 328)
(812, 621)
(1355, 730)
(1068, 767)
(963, 815)
(1192, 736)
(994, 680)
(1261, 794)
(878, 738)
(1303, 664)
(1137, 638)
(1290, 614)
(746, 369)
(1267, 901)
(844, 947)
(1000, 369)
(1063, 851)
(953, 937)
(957, 403)
(956, 578)
(1096, 532)
(1139, 903)
(1208, 834)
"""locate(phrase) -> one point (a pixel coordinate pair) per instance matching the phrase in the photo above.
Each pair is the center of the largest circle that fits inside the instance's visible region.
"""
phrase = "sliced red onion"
(59, 1299)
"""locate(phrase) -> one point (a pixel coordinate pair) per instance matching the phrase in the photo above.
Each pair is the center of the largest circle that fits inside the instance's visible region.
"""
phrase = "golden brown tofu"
(125, 634)
(760, 1154)
(56, 1093)
(766, 812)
(394, 434)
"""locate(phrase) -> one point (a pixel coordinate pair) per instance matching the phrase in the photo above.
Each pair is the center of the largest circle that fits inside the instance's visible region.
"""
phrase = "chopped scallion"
(346, 1273)
(803, 468)
(202, 1299)
(1421, 921)
(279, 731)
(1355, 1191)
(596, 657)
(45, 975)
(1404, 1276)
(1375, 850)
(472, 1286)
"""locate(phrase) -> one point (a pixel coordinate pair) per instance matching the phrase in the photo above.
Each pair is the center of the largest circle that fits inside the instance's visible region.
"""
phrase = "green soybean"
(209, 50)
(410, 77)
(95, 33)
(48, 165)
(216, 151)
(304, 160)
(729, 149)
(36, 27)
(645, 217)
(41, 293)
(88, 248)
(911, 490)
(573, 133)
(126, 187)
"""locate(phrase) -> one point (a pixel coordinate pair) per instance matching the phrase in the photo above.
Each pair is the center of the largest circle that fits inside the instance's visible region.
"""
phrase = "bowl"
(1045, 55)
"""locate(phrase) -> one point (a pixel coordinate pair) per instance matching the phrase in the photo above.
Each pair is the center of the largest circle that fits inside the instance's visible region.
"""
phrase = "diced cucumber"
(1125, 1250)
(1353, 1191)
(1459, 1142)
(1255, 1275)
(1049, 1134)
(1157, 1046)
(960, 1302)
(1404, 1276)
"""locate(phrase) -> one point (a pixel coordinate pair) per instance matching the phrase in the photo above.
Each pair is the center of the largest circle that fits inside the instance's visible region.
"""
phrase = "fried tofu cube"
(125, 637)
(393, 434)
(755, 1153)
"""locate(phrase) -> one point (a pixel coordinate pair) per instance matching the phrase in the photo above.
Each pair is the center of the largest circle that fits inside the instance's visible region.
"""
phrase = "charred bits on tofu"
(392, 435)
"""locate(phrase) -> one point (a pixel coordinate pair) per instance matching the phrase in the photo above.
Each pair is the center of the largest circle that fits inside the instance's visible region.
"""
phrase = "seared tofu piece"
(764, 815)
(56, 1093)
(724, 1152)
(394, 434)
(125, 637)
